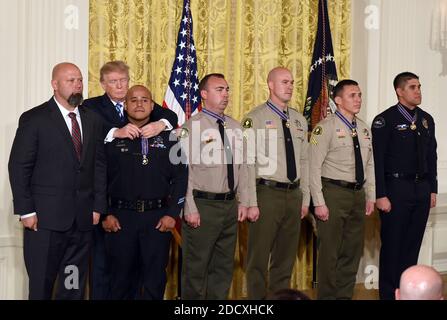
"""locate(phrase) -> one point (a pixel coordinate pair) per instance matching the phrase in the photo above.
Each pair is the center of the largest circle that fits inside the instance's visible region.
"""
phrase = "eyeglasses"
(122, 81)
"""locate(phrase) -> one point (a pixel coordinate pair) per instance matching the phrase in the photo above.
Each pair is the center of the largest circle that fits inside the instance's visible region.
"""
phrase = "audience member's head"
(288, 294)
(420, 283)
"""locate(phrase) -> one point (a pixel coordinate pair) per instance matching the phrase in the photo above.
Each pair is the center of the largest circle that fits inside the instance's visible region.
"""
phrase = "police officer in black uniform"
(146, 191)
(406, 179)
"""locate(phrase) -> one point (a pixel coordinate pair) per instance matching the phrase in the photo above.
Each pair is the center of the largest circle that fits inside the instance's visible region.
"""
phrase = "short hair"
(113, 66)
(288, 294)
(204, 81)
(338, 89)
(402, 78)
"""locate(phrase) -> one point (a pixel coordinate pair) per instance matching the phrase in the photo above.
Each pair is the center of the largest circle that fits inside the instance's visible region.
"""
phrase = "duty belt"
(345, 184)
(213, 196)
(407, 176)
(276, 184)
(141, 205)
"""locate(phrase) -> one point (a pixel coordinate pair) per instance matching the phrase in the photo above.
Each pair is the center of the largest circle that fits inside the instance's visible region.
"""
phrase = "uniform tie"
(420, 150)
(359, 174)
(228, 155)
(76, 135)
(290, 154)
(118, 108)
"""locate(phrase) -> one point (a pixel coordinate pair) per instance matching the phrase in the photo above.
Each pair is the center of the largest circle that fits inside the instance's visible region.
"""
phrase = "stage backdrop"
(241, 39)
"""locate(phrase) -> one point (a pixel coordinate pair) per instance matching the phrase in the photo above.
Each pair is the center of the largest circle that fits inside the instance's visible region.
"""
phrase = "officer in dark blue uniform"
(114, 78)
(146, 191)
(405, 159)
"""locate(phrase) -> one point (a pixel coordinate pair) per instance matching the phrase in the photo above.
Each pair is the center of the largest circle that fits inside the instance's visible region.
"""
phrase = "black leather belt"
(141, 205)
(213, 196)
(345, 184)
(276, 184)
(407, 176)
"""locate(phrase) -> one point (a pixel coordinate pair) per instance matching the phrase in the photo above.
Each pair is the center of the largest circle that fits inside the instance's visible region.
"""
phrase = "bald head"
(62, 68)
(138, 88)
(275, 72)
(66, 80)
(139, 105)
(420, 283)
(280, 82)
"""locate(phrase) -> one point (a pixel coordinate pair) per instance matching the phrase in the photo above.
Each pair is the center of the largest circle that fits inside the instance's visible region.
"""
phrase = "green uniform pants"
(273, 241)
(208, 251)
(340, 241)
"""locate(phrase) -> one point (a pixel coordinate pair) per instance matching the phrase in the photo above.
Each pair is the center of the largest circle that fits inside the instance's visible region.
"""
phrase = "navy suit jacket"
(105, 108)
(45, 174)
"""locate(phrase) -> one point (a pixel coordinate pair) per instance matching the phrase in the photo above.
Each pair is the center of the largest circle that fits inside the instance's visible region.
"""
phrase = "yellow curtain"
(241, 39)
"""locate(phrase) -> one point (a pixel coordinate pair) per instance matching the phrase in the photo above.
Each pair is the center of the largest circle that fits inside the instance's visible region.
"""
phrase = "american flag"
(323, 71)
(182, 95)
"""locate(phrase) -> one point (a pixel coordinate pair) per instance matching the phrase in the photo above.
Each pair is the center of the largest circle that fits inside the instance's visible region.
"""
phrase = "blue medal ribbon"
(407, 116)
(276, 110)
(215, 116)
(145, 150)
(352, 127)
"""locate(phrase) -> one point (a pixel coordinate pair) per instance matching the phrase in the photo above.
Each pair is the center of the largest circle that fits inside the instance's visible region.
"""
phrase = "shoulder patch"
(379, 122)
(317, 131)
(247, 123)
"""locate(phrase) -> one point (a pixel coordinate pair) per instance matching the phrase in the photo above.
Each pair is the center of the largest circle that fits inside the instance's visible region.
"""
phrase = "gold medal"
(413, 126)
(145, 160)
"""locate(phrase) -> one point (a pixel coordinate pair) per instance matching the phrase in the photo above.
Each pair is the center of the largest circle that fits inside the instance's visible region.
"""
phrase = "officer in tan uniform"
(216, 197)
(278, 161)
(342, 185)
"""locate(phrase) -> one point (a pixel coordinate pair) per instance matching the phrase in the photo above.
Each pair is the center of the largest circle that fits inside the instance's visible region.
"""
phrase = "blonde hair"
(113, 66)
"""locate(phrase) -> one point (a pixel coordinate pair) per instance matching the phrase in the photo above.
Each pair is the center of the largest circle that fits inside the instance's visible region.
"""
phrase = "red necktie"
(76, 135)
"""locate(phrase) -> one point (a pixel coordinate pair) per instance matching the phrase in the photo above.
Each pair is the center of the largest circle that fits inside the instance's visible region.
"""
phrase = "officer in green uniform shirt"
(217, 174)
(278, 161)
(342, 185)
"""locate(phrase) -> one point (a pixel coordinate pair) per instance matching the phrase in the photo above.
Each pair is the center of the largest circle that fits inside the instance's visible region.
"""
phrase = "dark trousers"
(340, 242)
(402, 231)
(100, 274)
(138, 250)
(273, 241)
(54, 254)
(208, 251)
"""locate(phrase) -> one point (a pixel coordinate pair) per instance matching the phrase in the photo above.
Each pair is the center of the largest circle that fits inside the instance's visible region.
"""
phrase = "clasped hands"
(131, 131)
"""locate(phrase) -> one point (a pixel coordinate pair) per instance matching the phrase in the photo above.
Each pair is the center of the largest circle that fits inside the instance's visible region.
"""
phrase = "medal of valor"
(144, 150)
(406, 114)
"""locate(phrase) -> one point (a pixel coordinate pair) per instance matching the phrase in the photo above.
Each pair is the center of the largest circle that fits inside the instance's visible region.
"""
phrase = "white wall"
(389, 37)
(403, 41)
(35, 35)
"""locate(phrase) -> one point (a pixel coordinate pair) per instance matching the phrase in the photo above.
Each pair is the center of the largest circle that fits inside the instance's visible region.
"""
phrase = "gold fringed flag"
(323, 71)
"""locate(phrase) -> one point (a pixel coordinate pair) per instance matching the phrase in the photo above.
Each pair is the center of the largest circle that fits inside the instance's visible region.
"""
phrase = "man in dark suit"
(57, 173)
(114, 78)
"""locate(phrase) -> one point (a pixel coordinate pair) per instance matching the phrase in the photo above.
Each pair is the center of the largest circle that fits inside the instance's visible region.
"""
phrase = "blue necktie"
(118, 107)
